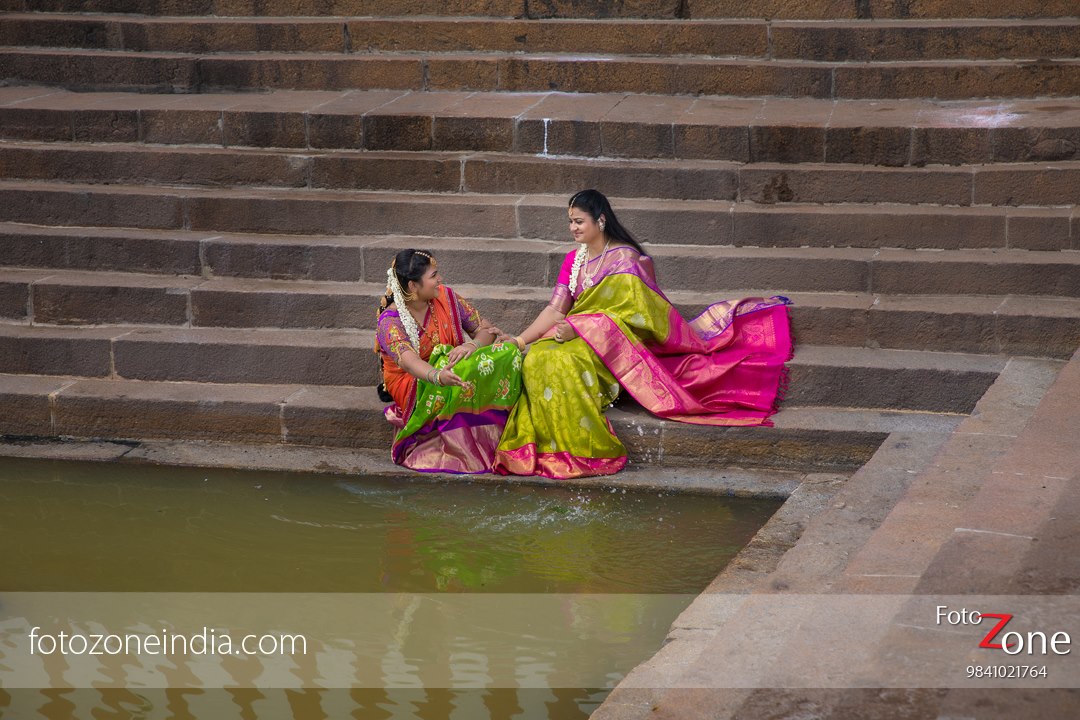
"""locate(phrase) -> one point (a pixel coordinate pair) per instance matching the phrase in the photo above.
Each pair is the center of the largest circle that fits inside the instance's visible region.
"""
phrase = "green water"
(90, 527)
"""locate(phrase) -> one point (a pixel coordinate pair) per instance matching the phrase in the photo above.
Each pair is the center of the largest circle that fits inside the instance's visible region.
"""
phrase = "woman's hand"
(564, 331)
(448, 377)
(461, 352)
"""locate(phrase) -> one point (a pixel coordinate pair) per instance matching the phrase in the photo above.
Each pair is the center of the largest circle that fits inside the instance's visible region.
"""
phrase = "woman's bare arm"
(420, 369)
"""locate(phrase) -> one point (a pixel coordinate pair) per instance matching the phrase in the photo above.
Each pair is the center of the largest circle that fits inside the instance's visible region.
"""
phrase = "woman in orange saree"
(452, 389)
(608, 328)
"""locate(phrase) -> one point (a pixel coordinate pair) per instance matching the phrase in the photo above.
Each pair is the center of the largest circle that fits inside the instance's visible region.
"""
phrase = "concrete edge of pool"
(987, 508)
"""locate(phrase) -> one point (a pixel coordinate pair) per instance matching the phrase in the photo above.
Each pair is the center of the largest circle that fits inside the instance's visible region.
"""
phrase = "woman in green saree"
(608, 327)
(451, 387)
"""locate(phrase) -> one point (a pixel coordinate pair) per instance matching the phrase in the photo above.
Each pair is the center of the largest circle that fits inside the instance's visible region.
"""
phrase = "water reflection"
(307, 704)
(79, 527)
(101, 527)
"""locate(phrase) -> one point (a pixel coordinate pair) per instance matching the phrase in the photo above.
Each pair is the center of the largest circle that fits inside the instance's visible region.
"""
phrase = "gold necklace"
(588, 281)
(423, 323)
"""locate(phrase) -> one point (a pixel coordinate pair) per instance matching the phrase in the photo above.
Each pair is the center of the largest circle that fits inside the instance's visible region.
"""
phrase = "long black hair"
(408, 265)
(594, 203)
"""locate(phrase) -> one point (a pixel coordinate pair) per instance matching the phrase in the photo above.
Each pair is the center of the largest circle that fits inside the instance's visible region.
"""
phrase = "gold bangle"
(520, 342)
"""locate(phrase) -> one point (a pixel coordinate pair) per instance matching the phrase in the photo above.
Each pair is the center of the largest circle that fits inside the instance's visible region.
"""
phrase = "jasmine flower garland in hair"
(406, 317)
(579, 262)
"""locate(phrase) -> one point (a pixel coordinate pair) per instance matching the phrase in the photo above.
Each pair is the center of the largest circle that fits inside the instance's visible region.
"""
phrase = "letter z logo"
(1004, 619)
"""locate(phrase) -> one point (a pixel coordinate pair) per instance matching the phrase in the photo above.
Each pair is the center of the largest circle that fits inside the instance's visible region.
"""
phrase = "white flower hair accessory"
(575, 269)
(407, 320)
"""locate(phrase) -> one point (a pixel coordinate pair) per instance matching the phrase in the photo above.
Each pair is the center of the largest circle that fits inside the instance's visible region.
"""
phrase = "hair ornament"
(393, 286)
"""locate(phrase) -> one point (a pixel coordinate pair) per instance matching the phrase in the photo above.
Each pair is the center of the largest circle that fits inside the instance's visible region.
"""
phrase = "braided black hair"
(408, 265)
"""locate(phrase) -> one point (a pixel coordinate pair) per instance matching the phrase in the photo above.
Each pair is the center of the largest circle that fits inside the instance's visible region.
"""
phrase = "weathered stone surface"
(15, 294)
(762, 270)
(391, 172)
(35, 124)
(597, 9)
(832, 325)
(101, 409)
(1041, 327)
(182, 127)
(774, 183)
(42, 31)
(908, 389)
(246, 356)
(63, 303)
(508, 263)
(685, 181)
(655, 221)
(332, 72)
(234, 304)
(960, 8)
(74, 206)
(767, 447)
(352, 213)
(91, 70)
(105, 125)
(473, 134)
(640, 126)
(264, 129)
(99, 249)
(467, 72)
(24, 404)
(277, 8)
(335, 131)
(858, 226)
(958, 40)
(540, 36)
(787, 9)
(716, 129)
(134, 164)
(50, 351)
(294, 259)
(1015, 273)
(958, 81)
(338, 417)
(871, 145)
(951, 324)
(1042, 229)
(1046, 185)
(209, 36)
(388, 132)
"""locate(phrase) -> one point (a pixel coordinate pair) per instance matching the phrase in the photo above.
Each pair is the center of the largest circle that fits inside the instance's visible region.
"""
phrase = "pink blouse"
(615, 260)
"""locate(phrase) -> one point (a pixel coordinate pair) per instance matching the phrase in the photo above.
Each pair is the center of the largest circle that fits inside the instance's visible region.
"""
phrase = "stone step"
(720, 38)
(817, 439)
(613, 125)
(821, 376)
(1015, 325)
(713, 223)
(834, 41)
(180, 72)
(1016, 184)
(530, 263)
(787, 9)
(882, 9)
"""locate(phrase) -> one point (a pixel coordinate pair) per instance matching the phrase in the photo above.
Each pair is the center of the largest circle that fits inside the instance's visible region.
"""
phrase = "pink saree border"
(525, 460)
